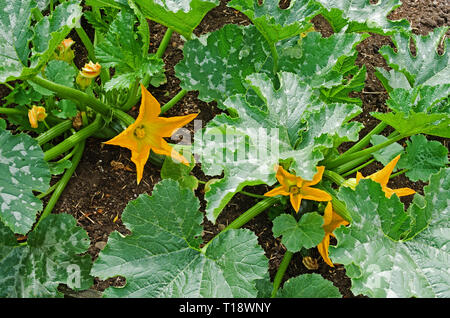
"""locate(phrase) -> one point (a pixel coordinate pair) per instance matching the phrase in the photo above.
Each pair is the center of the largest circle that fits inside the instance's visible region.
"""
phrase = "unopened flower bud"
(36, 114)
(64, 51)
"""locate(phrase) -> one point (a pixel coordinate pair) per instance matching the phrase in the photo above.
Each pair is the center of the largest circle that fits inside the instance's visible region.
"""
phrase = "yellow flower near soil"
(147, 133)
(297, 188)
(331, 221)
(382, 177)
(35, 115)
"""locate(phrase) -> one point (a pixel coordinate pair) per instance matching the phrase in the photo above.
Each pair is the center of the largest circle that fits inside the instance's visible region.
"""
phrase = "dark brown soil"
(105, 179)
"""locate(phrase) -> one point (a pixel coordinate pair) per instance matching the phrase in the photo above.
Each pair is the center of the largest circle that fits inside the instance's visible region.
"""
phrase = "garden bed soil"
(105, 180)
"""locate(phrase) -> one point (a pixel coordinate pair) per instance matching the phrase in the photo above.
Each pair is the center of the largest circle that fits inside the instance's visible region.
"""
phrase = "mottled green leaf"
(45, 36)
(426, 66)
(50, 257)
(386, 252)
(182, 16)
(365, 15)
(308, 286)
(317, 66)
(305, 233)
(217, 64)
(423, 158)
(274, 23)
(289, 124)
(22, 170)
(161, 257)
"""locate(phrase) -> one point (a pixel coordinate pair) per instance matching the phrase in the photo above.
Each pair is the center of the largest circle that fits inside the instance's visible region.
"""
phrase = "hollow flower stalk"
(148, 131)
(297, 188)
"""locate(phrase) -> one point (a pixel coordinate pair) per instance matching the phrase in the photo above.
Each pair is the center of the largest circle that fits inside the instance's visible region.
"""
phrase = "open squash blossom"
(382, 177)
(147, 133)
(36, 114)
(331, 221)
(297, 188)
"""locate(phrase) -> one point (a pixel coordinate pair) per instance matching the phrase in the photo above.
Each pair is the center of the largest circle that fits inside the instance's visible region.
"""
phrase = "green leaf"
(365, 16)
(305, 233)
(179, 172)
(340, 93)
(379, 257)
(16, 35)
(22, 170)
(57, 168)
(276, 24)
(50, 257)
(65, 109)
(2, 123)
(161, 258)
(423, 158)
(436, 124)
(60, 72)
(317, 67)
(420, 99)
(182, 16)
(426, 67)
(122, 48)
(388, 153)
(246, 147)
(309, 286)
(217, 64)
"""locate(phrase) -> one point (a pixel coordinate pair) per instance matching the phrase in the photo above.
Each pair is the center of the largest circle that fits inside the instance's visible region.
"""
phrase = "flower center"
(294, 189)
(139, 132)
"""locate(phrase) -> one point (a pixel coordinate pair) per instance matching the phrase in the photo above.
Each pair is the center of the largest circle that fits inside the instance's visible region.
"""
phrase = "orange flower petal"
(315, 194)
(323, 249)
(285, 178)
(401, 192)
(382, 176)
(140, 159)
(165, 127)
(277, 191)
(317, 177)
(296, 200)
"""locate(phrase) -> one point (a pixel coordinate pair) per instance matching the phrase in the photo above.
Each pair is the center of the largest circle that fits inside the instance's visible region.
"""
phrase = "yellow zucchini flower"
(331, 221)
(382, 177)
(36, 114)
(297, 188)
(148, 131)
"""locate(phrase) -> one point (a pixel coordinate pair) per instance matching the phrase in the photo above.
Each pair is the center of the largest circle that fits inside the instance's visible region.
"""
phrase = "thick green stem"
(173, 101)
(349, 157)
(164, 43)
(366, 139)
(54, 132)
(280, 272)
(333, 176)
(352, 164)
(357, 168)
(255, 210)
(87, 43)
(73, 140)
(83, 98)
(62, 183)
